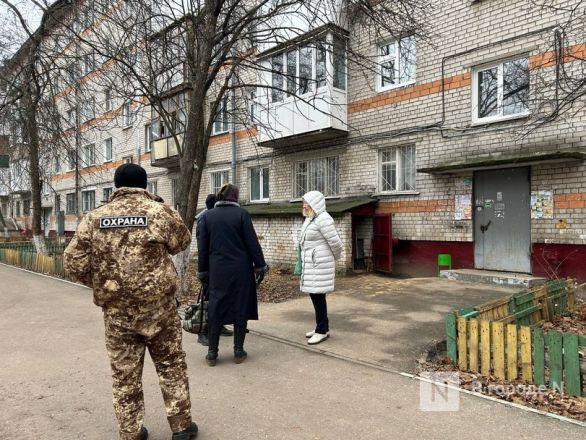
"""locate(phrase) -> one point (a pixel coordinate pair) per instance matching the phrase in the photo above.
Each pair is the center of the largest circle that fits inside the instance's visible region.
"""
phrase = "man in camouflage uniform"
(123, 251)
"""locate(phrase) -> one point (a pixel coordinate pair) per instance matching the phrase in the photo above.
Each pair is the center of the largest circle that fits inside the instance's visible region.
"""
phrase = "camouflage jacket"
(123, 251)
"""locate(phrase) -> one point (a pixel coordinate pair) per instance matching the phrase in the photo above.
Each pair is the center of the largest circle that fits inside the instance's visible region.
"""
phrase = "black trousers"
(322, 324)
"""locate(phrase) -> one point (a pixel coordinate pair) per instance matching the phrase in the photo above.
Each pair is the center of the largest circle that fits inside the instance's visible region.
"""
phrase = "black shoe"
(143, 434)
(203, 340)
(240, 356)
(188, 434)
(212, 359)
(226, 332)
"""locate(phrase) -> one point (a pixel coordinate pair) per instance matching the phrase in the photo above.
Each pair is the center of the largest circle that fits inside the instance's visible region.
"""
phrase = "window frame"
(298, 195)
(263, 197)
(110, 191)
(84, 193)
(397, 59)
(398, 170)
(148, 137)
(153, 184)
(225, 121)
(499, 65)
(89, 147)
(108, 102)
(68, 199)
(106, 158)
(215, 172)
(127, 114)
(128, 159)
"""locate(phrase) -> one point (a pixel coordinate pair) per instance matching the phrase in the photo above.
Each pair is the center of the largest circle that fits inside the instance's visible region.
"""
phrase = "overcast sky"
(12, 33)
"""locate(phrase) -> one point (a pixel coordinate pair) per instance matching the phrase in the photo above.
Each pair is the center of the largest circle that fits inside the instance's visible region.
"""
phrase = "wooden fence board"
(485, 347)
(512, 371)
(473, 347)
(538, 357)
(554, 347)
(451, 337)
(462, 344)
(498, 349)
(525, 340)
(571, 364)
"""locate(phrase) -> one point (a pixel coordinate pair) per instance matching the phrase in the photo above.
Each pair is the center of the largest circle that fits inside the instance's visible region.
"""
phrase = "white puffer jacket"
(320, 247)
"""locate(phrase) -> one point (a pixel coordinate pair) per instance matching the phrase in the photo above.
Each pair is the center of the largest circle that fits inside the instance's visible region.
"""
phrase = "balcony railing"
(164, 152)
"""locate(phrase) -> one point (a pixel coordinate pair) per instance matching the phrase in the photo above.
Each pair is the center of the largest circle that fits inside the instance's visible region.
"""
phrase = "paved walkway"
(377, 319)
(55, 384)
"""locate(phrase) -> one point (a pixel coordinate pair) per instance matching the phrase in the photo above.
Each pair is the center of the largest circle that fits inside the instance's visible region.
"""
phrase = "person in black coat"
(202, 338)
(231, 259)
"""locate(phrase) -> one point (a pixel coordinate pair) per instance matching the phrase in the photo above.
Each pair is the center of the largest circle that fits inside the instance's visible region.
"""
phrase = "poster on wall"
(463, 207)
(541, 204)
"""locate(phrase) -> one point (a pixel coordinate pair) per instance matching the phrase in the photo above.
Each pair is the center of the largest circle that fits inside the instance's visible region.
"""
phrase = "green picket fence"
(502, 338)
(53, 248)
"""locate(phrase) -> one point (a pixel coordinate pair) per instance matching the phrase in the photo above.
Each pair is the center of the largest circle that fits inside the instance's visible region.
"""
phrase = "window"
(88, 200)
(71, 117)
(71, 207)
(89, 155)
(89, 63)
(501, 91)
(305, 69)
(108, 151)
(127, 159)
(17, 208)
(26, 207)
(147, 138)
(339, 60)
(397, 63)
(71, 156)
(291, 58)
(218, 179)
(222, 119)
(259, 183)
(398, 169)
(318, 174)
(108, 100)
(127, 114)
(57, 165)
(277, 80)
(71, 73)
(153, 187)
(320, 64)
(88, 109)
(252, 106)
(106, 194)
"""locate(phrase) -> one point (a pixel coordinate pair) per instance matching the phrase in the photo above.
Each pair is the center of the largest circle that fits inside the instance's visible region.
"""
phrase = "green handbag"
(196, 316)
(298, 265)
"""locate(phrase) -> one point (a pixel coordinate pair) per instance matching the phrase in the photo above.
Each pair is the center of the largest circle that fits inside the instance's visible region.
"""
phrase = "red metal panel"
(382, 246)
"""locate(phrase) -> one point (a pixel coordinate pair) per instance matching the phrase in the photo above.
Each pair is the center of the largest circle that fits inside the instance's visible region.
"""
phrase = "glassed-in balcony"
(164, 152)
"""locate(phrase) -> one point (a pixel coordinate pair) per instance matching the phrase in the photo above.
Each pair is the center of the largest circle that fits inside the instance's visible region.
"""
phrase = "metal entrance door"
(382, 249)
(502, 220)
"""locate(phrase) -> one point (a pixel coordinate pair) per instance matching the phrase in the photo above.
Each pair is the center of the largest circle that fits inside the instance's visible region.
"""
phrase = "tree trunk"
(31, 134)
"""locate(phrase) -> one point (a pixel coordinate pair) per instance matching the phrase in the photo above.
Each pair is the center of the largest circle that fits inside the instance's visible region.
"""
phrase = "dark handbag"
(196, 316)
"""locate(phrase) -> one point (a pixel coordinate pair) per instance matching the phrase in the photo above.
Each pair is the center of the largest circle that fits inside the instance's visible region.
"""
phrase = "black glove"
(259, 274)
(203, 276)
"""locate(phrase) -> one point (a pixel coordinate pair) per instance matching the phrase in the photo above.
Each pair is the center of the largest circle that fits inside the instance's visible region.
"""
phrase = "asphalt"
(386, 321)
(55, 384)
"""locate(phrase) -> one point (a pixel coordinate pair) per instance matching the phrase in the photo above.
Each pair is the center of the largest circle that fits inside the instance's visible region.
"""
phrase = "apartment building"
(428, 153)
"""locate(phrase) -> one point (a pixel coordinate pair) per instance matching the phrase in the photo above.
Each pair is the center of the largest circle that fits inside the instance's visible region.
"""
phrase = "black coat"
(228, 249)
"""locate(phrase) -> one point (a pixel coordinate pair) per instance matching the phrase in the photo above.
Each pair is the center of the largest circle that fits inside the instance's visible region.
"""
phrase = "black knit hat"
(211, 200)
(130, 175)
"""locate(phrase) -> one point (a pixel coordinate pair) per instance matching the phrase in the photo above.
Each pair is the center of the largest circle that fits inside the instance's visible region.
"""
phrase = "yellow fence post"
(473, 345)
(485, 347)
(498, 349)
(512, 371)
(526, 361)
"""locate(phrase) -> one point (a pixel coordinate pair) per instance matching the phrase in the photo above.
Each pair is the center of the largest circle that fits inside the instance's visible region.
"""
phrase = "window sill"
(300, 199)
(126, 127)
(259, 202)
(396, 193)
(108, 161)
(220, 133)
(494, 120)
(395, 87)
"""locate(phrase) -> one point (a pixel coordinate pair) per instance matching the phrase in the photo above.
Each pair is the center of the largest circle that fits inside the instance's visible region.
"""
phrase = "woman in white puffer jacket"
(320, 247)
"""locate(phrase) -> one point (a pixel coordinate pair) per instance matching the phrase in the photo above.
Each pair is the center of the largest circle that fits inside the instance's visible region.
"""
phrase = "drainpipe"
(233, 136)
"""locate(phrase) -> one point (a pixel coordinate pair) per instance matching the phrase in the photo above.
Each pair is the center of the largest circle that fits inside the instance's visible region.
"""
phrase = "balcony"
(164, 152)
(304, 98)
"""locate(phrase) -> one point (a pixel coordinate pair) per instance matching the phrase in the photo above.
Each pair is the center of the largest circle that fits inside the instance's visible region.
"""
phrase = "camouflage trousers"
(126, 342)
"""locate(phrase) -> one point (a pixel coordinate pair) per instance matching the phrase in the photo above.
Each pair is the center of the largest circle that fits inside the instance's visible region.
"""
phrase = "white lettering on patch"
(128, 221)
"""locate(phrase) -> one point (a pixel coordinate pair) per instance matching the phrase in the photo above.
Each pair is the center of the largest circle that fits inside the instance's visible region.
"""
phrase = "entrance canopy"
(522, 158)
(335, 207)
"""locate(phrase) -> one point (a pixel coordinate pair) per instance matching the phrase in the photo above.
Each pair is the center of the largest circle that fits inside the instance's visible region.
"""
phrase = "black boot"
(239, 336)
(202, 339)
(188, 434)
(143, 434)
(213, 343)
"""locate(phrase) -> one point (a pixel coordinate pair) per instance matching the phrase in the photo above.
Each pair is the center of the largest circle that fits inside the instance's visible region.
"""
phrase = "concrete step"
(505, 279)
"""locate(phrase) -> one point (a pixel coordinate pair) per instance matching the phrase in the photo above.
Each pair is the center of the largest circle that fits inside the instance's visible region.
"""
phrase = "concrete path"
(382, 320)
(55, 384)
